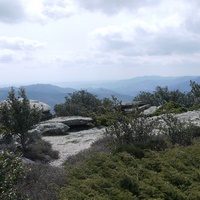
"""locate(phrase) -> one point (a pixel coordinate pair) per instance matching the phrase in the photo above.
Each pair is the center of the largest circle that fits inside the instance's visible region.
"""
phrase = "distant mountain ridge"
(124, 90)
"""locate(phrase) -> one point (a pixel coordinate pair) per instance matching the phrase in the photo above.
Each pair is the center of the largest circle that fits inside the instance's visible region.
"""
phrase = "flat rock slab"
(73, 143)
(71, 120)
(53, 128)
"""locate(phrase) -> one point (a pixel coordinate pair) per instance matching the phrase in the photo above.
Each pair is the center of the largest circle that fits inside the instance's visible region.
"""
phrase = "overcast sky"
(47, 41)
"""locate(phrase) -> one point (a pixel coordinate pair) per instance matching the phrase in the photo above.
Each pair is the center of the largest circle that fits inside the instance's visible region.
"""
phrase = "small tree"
(18, 116)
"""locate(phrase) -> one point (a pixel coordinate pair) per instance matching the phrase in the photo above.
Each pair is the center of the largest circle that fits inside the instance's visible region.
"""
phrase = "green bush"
(132, 128)
(170, 107)
(178, 132)
(170, 174)
(11, 171)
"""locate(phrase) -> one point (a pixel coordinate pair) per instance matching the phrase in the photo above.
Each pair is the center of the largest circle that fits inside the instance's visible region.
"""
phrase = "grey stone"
(71, 120)
(150, 110)
(51, 128)
(192, 116)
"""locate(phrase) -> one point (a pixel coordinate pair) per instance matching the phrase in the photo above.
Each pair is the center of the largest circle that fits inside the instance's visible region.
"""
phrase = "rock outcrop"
(150, 110)
(59, 125)
(45, 108)
(72, 121)
(50, 128)
(192, 116)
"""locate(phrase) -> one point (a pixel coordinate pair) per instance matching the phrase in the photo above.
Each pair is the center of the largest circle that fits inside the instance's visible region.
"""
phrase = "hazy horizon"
(77, 84)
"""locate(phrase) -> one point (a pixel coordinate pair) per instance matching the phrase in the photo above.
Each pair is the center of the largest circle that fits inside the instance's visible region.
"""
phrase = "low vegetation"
(141, 157)
(170, 174)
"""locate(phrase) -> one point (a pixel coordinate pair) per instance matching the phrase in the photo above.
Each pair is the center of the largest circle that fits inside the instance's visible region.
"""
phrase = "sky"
(53, 41)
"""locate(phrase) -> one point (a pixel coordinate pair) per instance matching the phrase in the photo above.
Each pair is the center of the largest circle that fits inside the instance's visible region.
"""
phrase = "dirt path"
(73, 143)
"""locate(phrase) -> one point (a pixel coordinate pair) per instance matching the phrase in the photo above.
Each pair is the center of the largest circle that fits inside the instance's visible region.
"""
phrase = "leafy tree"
(160, 96)
(78, 103)
(18, 116)
(147, 98)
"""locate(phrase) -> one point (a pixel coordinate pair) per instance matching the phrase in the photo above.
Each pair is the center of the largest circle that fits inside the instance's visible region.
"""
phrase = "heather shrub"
(42, 182)
(41, 150)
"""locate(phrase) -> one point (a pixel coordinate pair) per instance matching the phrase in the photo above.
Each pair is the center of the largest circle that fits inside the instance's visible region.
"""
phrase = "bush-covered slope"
(171, 174)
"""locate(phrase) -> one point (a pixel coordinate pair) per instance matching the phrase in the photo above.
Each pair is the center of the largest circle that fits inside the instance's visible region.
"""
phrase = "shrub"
(42, 182)
(170, 174)
(179, 132)
(131, 128)
(11, 171)
(170, 107)
(42, 151)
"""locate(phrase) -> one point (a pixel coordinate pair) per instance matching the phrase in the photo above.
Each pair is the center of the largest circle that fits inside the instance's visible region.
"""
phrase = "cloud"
(57, 9)
(114, 6)
(18, 43)
(192, 16)
(16, 11)
(166, 36)
(8, 56)
(11, 11)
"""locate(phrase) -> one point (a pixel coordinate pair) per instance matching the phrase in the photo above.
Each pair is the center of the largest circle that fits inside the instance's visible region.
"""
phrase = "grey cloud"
(175, 43)
(141, 41)
(18, 43)
(114, 6)
(11, 11)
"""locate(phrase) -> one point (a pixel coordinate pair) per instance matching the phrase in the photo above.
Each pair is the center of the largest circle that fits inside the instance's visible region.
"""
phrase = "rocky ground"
(73, 143)
(76, 141)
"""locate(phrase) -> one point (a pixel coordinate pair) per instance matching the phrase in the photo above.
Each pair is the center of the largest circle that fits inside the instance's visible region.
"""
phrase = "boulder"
(45, 108)
(72, 121)
(50, 128)
(193, 116)
(150, 110)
